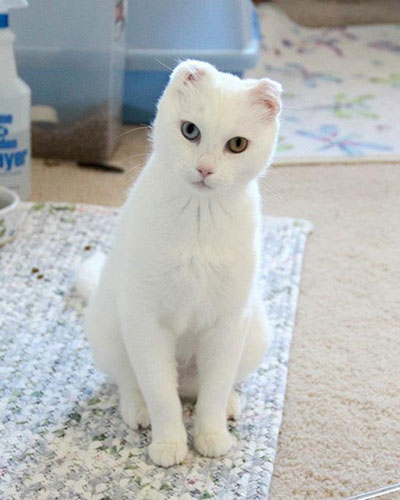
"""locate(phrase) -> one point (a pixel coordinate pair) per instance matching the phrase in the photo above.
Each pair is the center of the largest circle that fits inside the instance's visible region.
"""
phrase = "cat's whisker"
(130, 131)
(134, 167)
(277, 195)
(211, 211)
(224, 210)
(272, 191)
(294, 108)
(174, 199)
(282, 170)
(185, 205)
(285, 120)
(163, 64)
(133, 156)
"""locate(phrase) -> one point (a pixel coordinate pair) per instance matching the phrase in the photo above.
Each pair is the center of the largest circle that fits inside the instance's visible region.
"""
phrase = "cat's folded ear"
(267, 93)
(191, 72)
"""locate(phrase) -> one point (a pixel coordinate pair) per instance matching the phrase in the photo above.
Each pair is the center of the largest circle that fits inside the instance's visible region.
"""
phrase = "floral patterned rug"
(61, 434)
(341, 89)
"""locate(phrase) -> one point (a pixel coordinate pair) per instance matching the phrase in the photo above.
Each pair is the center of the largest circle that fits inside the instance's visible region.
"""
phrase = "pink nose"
(205, 171)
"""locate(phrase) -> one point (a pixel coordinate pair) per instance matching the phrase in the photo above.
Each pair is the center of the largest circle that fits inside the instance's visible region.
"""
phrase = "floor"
(341, 12)
(341, 432)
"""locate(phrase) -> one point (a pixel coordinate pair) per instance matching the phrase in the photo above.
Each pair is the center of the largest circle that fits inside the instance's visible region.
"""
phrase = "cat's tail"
(88, 275)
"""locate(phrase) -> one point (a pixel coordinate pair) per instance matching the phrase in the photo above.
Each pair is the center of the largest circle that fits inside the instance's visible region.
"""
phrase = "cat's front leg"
(151, 349)
(217, 360)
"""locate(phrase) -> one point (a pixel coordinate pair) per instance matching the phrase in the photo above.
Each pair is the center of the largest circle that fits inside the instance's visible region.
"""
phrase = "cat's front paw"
(168, 452)
(134, 411)
(213, 444)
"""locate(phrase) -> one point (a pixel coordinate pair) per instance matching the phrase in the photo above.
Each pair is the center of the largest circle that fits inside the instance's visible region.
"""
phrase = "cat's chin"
(201, 186)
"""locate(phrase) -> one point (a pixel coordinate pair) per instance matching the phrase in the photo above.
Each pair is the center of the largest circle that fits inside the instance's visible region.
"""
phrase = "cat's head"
(217, 131)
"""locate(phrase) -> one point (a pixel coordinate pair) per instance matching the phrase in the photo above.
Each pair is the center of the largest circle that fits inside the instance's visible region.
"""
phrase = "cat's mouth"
(201, 185)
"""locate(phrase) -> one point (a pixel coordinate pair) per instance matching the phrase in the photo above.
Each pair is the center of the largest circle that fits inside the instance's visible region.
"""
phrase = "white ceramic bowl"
(9, 204)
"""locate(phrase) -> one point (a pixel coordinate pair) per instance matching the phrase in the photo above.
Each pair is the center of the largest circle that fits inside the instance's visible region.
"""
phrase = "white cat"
(177, 309)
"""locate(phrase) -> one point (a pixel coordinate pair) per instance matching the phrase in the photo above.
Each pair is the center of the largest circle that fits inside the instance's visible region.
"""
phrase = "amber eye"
(190, 131)
(237, 144)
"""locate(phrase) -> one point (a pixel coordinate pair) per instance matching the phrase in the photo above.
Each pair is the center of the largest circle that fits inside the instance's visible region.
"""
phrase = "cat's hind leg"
(235, 405)
(103, 332)
(257, 341)
(256, 345)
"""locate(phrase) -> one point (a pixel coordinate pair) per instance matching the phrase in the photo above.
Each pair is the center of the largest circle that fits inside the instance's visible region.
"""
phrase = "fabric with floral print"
(61, 433)
(341, 89)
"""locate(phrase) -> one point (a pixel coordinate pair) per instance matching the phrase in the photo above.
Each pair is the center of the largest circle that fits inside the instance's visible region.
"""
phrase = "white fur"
(177, 302)
(88, 275)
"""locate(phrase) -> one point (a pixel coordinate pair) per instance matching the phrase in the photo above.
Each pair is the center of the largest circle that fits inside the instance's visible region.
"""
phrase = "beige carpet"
(341, 12)
(341, 430)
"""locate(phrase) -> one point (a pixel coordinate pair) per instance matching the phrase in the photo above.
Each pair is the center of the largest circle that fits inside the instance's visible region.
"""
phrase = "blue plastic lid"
(160, 33)
(3, 21)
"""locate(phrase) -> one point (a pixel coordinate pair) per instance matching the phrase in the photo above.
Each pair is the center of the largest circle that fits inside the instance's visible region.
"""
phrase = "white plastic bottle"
(15, 103)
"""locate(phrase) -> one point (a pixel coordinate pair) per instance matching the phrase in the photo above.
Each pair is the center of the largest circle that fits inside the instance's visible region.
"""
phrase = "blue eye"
(190, 131)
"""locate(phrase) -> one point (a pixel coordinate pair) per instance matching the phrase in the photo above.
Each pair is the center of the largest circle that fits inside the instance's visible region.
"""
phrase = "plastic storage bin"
(72, 55)
(160, 33)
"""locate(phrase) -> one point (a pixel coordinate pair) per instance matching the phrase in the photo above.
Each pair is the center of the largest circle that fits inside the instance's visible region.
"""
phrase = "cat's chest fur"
(193, 254)
(203, 255)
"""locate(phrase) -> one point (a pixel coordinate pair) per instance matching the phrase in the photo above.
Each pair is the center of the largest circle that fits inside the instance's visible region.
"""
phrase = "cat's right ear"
(267, 93)
(191, 72)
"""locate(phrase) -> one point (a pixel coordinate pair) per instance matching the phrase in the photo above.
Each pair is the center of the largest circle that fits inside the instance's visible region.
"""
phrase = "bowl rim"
(14, 203)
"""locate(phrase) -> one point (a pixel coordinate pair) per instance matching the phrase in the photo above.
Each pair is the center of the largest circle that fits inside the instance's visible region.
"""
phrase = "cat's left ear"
(267, 93)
